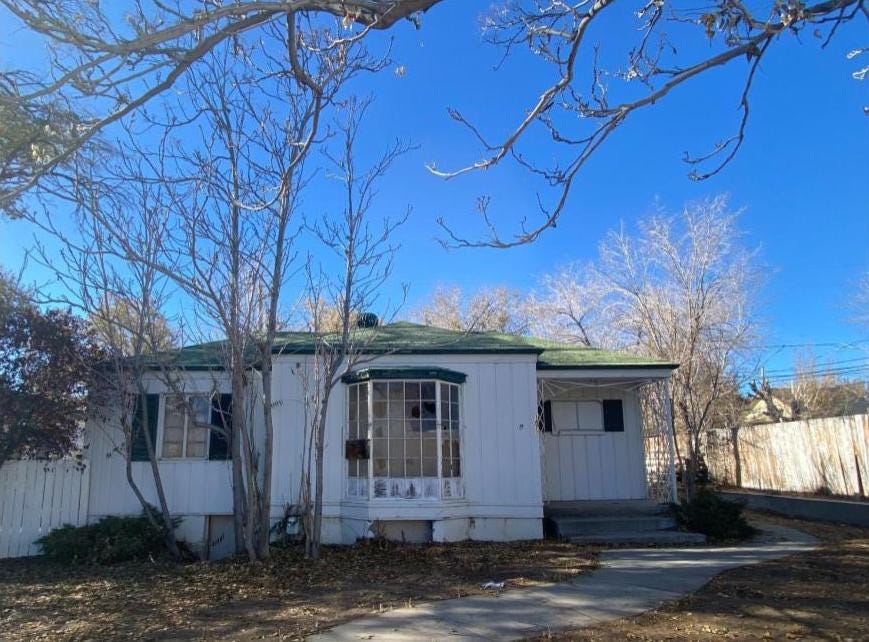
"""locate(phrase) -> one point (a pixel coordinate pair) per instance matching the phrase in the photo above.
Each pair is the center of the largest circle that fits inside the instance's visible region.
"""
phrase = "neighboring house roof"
(412, 338)
(758, 411)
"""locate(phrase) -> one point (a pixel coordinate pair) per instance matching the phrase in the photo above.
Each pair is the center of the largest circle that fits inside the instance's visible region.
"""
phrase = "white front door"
(586, 457)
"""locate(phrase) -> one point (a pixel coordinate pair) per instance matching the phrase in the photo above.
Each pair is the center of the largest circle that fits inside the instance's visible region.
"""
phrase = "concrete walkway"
(629, 582)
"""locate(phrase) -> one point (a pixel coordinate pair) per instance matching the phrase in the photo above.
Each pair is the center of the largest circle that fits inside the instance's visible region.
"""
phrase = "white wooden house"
(440, 436)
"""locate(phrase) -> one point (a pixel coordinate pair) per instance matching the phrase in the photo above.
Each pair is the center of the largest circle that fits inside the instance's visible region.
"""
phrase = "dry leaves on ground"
(286, 597)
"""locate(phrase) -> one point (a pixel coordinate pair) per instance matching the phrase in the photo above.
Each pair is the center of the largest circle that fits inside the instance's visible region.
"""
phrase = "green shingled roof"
(412, 338)
(556, 356)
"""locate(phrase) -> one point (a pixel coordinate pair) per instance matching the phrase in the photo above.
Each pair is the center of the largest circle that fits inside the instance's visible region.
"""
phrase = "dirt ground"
(287, 597)
(821, 595)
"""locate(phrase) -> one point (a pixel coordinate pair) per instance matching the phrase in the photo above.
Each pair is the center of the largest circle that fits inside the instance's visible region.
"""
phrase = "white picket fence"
(37, 496)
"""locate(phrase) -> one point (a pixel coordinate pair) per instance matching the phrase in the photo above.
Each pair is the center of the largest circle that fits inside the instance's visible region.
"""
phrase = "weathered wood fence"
(37, 496)
(827, 456)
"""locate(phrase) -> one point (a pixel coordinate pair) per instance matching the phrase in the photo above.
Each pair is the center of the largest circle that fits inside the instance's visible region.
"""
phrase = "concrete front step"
(569, 526)
(640, 538)
(601, 508)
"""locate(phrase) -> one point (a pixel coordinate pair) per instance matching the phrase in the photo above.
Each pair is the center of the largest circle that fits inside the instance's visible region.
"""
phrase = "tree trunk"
(239, 505)
(265, 516)
(737, 455)
(171, 543)
(249, 468)
(167, 527)
(313, 548)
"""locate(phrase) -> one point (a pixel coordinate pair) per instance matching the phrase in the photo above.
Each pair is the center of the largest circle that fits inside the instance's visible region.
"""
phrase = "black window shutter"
(613, 415)
(139, 447)
(545, 421)
(221, 416)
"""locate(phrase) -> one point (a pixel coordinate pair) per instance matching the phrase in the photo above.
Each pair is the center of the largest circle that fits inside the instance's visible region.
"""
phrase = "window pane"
(173, 427)
(447, 468)
(429, 410)
(454, 411)
(378, 447)
(379, 428)
(445, 411)
(396, 427)
(380, 467)
(197, 440)
(411, 390)
(353, 430)
(413, 467)
(454, 394)
(396, 408)
(396, 448)
(171, 449)
(413, 448)
(354, 402)
(455, 449)
(412, 410)
(427, 390)
(363, 405)
(429, 425)
(412, 427)
(429, 467)
(200, 406)
(429, 446)
(379, 391)
(396, 467)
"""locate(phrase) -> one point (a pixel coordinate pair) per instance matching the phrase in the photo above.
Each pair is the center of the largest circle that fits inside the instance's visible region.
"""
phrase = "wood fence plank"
(812, 456)
(37, 496)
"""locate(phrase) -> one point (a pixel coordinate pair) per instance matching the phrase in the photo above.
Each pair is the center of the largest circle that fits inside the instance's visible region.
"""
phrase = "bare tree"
(106, 68)
(218, 173)
(606, 62)
(568, 306)
(491, 309)
(124, 302)
(682, 290)
(122, 318)
(366, 250)
(818, 391)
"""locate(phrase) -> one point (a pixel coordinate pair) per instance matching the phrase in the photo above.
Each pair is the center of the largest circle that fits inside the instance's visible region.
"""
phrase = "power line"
(822, 344)
(843, 371)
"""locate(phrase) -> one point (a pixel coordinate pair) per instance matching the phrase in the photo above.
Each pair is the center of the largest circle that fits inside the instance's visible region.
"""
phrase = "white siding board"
(35, 497)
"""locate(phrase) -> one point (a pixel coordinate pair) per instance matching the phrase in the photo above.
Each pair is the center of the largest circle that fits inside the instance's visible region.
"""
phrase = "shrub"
(719, 520)
(110, 540)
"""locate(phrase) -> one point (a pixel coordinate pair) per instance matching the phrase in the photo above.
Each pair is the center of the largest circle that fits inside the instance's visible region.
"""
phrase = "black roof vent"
(367, 320)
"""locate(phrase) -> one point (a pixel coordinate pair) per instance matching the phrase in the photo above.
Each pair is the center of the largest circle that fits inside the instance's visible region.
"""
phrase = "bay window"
(403, 439)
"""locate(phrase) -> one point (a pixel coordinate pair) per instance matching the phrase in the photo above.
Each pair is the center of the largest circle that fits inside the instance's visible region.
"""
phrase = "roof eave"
(609, 366)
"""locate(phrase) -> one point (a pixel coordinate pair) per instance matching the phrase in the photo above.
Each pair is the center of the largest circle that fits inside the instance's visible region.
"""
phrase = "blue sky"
(802, 176)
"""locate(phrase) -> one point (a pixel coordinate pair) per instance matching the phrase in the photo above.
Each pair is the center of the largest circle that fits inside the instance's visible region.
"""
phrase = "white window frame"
(439, 439)
(160, 428)
(579, 430)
